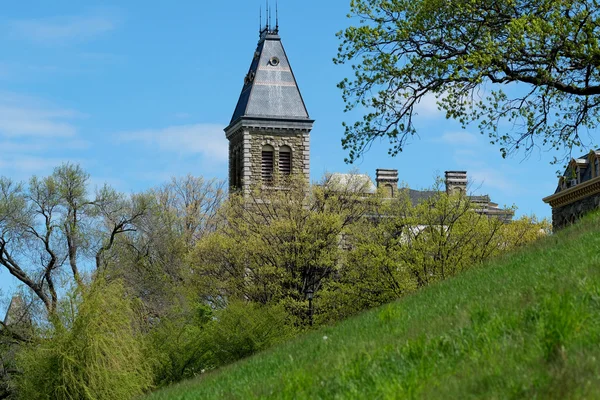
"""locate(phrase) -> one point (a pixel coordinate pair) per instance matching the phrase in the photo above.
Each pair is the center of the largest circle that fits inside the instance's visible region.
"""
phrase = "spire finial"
(259, 20)
(276, 15)
(267, 1)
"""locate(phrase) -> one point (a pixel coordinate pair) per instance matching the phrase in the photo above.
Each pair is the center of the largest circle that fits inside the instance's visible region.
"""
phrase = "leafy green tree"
(98, 354)
(469, 55)
(152, 258)
(279, 245)
(407, 246)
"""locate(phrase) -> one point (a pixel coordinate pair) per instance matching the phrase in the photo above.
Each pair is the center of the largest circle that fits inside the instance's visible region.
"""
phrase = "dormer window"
(285, 160)
(267, 164)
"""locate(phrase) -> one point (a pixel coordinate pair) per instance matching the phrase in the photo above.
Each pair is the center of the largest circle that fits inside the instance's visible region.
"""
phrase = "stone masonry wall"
(297, 141)
(565, 215)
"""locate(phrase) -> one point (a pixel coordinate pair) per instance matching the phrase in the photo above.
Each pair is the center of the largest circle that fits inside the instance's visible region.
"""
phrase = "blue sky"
(138, 91)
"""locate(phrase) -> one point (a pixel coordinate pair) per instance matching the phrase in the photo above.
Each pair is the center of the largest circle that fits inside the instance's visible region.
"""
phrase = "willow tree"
(526, 71)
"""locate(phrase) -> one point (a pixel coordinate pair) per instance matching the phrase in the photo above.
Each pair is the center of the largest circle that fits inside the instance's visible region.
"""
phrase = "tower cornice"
(264, 123)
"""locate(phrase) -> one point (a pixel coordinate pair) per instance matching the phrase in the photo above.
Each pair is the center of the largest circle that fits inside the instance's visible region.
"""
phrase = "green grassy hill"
(524, 326)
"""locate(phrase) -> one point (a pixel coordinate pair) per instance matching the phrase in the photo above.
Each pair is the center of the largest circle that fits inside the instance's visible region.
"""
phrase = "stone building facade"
(269, 132)
(578, 190)
(386, 180)
(456, 182)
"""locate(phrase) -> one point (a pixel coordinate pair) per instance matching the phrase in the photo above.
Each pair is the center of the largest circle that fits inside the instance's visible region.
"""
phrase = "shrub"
(179, 344)
(242, 329)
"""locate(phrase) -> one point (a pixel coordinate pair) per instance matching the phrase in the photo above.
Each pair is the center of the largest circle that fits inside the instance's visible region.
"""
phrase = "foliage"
(189, 342)
(152, 259)
(243, 329)
(214, 281)
(291, 244)
(407, 246)
(180, 344)
(525, 325)
(469, 55)
(52, 225)
(98, 356)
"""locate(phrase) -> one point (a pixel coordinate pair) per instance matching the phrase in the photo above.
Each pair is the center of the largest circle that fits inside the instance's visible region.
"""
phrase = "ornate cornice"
(573, 194)
(266, 124)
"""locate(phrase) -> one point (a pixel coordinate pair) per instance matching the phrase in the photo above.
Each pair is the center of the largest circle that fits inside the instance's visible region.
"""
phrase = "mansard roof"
(270, 89)
(580, 180)
(585, 164)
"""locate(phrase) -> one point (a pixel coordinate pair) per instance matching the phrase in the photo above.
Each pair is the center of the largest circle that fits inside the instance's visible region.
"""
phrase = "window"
(596, 167)
(267, 164)
(238, 159)
(285, 160)
(235, 172)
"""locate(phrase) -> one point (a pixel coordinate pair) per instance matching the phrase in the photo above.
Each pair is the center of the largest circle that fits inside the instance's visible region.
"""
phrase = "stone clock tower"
(269, 131)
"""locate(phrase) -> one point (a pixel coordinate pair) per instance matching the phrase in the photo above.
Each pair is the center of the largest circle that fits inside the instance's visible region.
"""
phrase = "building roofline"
(573, 193)
(235, 125)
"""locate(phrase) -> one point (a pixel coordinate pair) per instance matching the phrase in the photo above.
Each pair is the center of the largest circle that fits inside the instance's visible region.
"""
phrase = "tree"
(152, 260)
(469, 55)
(279, 245)
(52, 225)
(408, 246)
(99, 354)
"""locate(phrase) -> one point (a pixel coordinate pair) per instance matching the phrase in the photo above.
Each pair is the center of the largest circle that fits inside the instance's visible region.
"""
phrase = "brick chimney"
(387, 179)
(456, 181)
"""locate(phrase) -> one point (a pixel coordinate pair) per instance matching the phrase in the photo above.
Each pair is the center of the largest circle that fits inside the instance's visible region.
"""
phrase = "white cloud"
(34, 135)
(61, 30)
(205, 139)
(427, 107)
(23, 116)
(428, 104)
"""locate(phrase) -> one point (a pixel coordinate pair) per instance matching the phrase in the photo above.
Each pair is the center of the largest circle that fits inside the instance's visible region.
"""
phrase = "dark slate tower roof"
(270, 89)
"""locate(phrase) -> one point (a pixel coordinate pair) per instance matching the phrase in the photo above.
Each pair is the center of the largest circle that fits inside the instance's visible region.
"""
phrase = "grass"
(526, 325)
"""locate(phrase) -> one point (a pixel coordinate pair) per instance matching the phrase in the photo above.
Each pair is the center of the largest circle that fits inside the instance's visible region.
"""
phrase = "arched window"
(596, 167)
(238, 156)
(266, 165)
(285, 160)
(235, 172)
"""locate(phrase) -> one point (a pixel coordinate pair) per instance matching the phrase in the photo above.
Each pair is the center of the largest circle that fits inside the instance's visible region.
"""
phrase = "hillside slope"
(524, 326)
